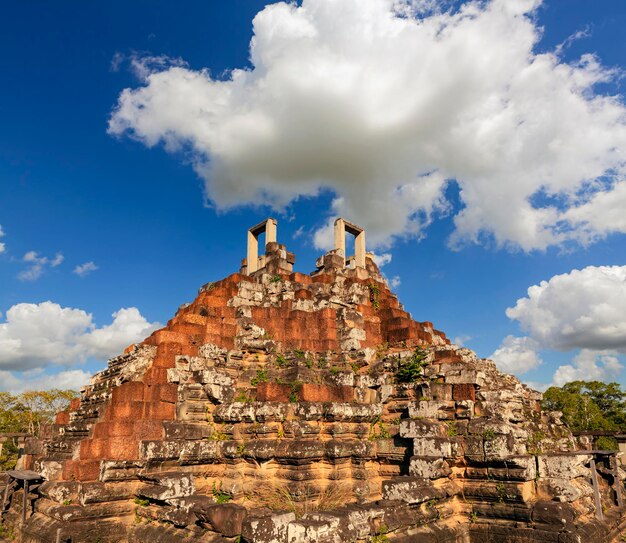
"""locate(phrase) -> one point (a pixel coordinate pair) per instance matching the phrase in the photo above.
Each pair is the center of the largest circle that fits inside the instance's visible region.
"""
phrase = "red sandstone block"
(324, 393)
(129, 349)
(122, 448)
(166, 393)
(303, 294)
(464, 392)
(323, 278)
(169, 336)
(148, 429)
(160, 411)
(302, 278)
(194, 318)
(74, 404)
(155, 376)
(124, 410)
(272, 392)
(129, 391)
(70, 470)
(116, 428)
(87, 470)
(63, 417)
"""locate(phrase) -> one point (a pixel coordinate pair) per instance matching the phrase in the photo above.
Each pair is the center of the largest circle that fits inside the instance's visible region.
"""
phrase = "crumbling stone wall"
(283, 407)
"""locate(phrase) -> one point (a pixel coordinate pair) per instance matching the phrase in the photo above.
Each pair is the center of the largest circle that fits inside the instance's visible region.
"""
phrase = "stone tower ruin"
(282, 407)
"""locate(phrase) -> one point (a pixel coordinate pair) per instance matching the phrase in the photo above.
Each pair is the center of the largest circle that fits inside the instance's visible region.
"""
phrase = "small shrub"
(374, 294)
(452, 428)
(489, 434)
(281, 361)
(141, 501)
(67, 502)
(606, 443)
(221, 496)
(501, 491)
(243, 396)
(261, 377)
(276, 279)
(473, 517)
(241, 448)
(217, 434)
(411, 369)
(378, 430)
(381, 536)
(300, 354)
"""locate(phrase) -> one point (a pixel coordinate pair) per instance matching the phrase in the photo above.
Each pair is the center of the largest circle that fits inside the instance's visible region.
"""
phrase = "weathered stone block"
(432, 409)
(226, 518)
(441, 447)
(411, 490)
(428, 467)
(564, 466)
(422, 428)
(464, 391)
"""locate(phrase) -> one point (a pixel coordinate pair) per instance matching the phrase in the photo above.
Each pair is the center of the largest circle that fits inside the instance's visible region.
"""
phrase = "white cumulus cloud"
(36, 336)
(383, 102)
(37, 380)
(589, 365)
(517, 355)
(2, 245)
(36, 265)
(583, 309)
(85, 269)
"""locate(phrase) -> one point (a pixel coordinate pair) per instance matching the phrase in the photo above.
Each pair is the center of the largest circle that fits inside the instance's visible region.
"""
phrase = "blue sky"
(139, 213)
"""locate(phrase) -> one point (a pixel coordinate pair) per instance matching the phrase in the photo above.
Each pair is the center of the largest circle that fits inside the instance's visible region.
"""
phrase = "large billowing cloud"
(37, 336)
(517, 355)
(383, 104)
(583, 309)
(583, 312)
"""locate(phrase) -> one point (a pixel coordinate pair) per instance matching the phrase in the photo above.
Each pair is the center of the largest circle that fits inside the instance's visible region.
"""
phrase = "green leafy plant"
(261, 377)
(472, 517)
(501, 492)
(299, 354)
(378, 430)
(276, 279)
(241, 448)
(535, 442)
(67, 502)
(142, 502)
(221, 496)
(412, 368)
(281, 361)
(489, 434)
(381, 536)
(452, 429)
(217, 434)
(243, 396)
(374, 289)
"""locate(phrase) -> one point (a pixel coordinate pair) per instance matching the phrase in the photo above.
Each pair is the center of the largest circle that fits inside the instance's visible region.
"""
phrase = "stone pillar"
(359, 250)
(341, 227)
(252, 259)
(340, 239)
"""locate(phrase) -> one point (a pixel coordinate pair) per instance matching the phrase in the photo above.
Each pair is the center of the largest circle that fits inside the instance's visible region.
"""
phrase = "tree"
(588, 406)
(26, 413)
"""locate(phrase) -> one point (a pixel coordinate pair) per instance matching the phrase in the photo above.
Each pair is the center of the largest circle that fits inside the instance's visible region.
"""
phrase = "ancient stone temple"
(281, 407)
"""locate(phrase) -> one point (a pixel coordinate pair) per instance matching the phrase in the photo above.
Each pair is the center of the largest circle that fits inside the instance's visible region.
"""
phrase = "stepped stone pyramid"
(292, 408)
